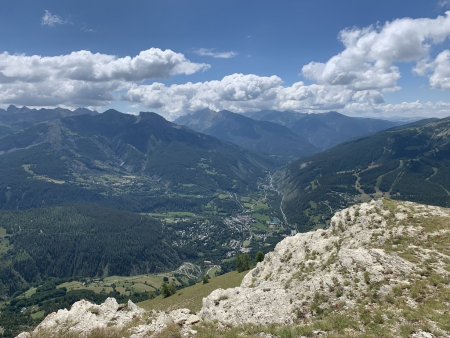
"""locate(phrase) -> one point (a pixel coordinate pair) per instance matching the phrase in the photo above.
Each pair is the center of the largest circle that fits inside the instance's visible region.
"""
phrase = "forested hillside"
(409, 163)
(79, 241)
(141, 163)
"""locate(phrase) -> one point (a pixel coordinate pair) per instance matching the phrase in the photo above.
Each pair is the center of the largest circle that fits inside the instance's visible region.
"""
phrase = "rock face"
(371, 249)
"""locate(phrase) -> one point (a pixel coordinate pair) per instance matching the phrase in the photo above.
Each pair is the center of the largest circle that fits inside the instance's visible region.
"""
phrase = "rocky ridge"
(85, 319)
(381, 269)
(381, 261)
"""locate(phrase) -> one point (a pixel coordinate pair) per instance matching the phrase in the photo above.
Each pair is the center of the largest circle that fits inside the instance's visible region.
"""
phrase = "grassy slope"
(191, 297)
(124, 285)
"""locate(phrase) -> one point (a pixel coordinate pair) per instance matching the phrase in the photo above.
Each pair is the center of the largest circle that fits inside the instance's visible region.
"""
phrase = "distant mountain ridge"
(18, 118)
(325, 130)
(262, 137)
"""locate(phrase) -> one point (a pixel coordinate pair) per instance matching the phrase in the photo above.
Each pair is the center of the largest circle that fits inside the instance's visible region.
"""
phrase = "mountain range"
(15, 118)
(325, 130)
(118, 159)
(283, 136)
(263, 137)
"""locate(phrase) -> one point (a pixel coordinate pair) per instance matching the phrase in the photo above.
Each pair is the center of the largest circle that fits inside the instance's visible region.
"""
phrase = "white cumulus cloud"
(371, 55)
(244, 92)
(67, 79)
(248, 92)
(438, 70)
(236, 92)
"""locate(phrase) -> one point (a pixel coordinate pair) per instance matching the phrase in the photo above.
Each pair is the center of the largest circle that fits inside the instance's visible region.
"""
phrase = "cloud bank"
(83, 77)
(241, 93)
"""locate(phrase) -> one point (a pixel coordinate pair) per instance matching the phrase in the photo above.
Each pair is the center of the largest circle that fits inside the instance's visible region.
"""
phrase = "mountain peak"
(112, 112)
(151, 117)
(14, 109)
(334, 113)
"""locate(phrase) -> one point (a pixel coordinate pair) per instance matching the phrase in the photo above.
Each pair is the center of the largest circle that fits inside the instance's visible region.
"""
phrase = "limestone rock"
(422, 334)
(268, 305)
(84, 317)
(331, 269)
(24, 335)
(161, 320)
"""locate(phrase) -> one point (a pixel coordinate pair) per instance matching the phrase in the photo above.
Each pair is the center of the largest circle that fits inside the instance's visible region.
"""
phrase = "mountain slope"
(258, 136)
(410, 162)
(325, 130)
(120, 160)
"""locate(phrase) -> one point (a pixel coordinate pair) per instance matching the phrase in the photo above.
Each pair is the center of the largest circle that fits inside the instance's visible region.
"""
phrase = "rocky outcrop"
(85, 318)
(370, 250)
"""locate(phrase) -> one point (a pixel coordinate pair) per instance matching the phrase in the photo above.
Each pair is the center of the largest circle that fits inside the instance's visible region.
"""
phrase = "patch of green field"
(262, 218)
(192, 296)
(261, 207)
(30, 292)
(125, 285)
(2, 232)
(180, 214)
(213, 271)
(261, 227)
(38, 315)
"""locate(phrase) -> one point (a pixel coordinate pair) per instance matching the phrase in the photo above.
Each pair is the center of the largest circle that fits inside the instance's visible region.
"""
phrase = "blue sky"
(238, 55)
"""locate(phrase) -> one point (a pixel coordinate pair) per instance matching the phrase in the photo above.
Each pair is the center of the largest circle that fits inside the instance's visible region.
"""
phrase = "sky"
(377, 58)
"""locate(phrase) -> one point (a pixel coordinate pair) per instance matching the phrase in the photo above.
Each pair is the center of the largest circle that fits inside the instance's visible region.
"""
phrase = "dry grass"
(192, 296)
